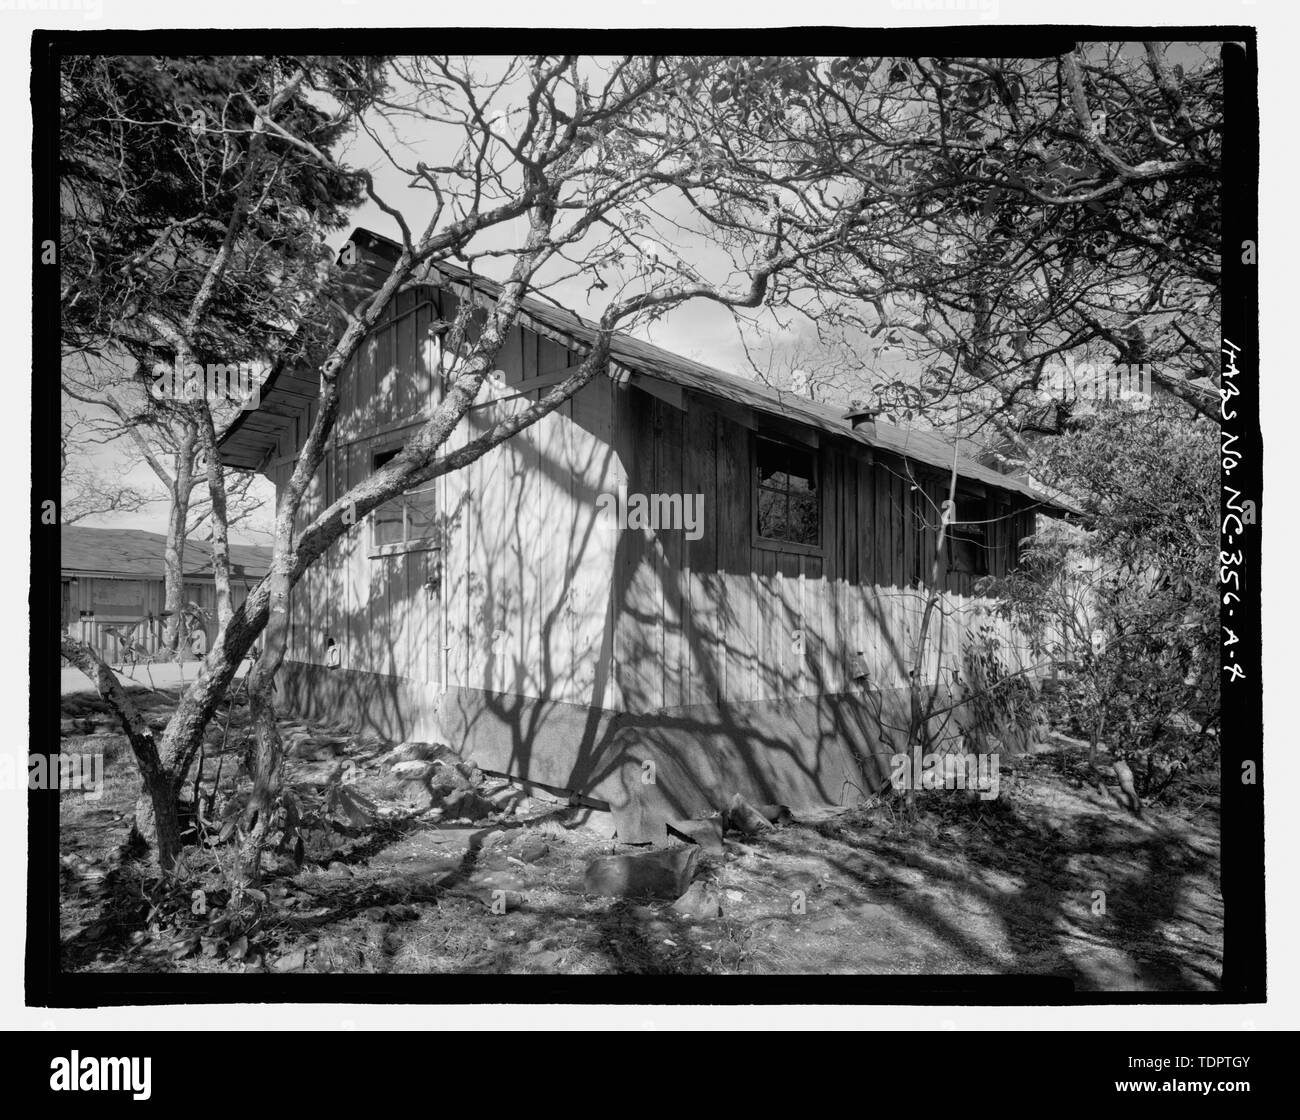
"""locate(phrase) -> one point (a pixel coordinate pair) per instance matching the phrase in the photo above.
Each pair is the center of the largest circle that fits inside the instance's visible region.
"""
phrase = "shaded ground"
(1003, 886)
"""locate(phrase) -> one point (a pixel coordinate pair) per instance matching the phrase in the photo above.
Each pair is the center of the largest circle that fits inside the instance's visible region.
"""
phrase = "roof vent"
(861, 412)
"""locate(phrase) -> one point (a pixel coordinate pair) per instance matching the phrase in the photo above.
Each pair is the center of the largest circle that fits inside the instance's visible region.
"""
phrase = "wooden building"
(678, 567)
(112, 581)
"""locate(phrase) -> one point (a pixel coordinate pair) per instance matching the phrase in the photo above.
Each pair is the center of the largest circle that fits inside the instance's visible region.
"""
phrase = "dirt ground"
(1006, 886)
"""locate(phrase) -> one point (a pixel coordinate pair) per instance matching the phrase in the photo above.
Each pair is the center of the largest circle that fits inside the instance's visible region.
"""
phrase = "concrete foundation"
(676, 763)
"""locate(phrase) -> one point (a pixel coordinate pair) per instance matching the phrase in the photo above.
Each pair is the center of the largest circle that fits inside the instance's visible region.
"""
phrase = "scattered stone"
(470, 772)
(507, 801)
(735, 896)
(530, 851)
(467, 805)
(776, 814)
(499, 900)
(706, 833)
(700, 903)
(595, 822)
(417, 794)
(665, 873)
(413, 751)
(303, 745)
(291, 962)
(415, 770)
(741, 816)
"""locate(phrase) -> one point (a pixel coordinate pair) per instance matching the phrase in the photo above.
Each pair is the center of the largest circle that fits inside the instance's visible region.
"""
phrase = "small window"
(786, 499)
(968, 537)
(409, 519)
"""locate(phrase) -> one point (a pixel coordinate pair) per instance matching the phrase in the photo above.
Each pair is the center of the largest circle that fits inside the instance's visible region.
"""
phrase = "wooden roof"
(137, 553)
(245, 443)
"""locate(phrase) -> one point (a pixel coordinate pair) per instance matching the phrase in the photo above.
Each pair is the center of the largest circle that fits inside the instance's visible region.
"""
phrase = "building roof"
(648, 360)
(135, 552)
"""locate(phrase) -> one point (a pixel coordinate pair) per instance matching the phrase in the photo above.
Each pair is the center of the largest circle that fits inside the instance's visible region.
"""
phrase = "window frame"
(430, 543)
(775, 544)
(975, 534)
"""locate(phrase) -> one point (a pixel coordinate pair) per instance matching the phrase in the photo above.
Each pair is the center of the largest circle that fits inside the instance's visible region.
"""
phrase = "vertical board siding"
(524, 604)
(545, 595)
(733, 622)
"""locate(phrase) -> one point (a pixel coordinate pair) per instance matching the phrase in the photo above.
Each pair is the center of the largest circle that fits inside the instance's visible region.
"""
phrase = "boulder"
(665, 873)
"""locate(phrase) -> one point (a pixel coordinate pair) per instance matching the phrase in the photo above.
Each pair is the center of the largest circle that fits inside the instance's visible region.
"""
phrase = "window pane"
(786, 493)
(388, 523)
(802, 474)
(771, 462)
(421, 514)
(771, 515)
(803, 519)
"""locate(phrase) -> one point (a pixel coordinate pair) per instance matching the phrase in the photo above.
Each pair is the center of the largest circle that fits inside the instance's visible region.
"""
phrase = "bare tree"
(562, 168)
(1011, 213)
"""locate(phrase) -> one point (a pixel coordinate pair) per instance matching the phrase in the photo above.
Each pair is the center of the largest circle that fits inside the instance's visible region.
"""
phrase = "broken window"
(786, 499)
(410, 518)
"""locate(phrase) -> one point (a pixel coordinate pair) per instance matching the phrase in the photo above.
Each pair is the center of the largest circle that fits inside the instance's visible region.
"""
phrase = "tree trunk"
(268, 752)
(174, 549)
(159, 784)
(918, 730)
(220, 529)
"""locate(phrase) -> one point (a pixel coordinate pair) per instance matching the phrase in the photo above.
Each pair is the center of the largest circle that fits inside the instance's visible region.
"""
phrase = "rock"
(500, 901)
(659, 874)
(594, 822)
(700, 903)
(775, 814)
(416, 770)
(741, 816)
(291, 962)
(706, 833)
(470, 772)
(735, 896)
(414, 775)
(1124, 776)
(413, 751)
(339, 869)
(308, 748)
(416, 792)
(467, 804)
(530, 851)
